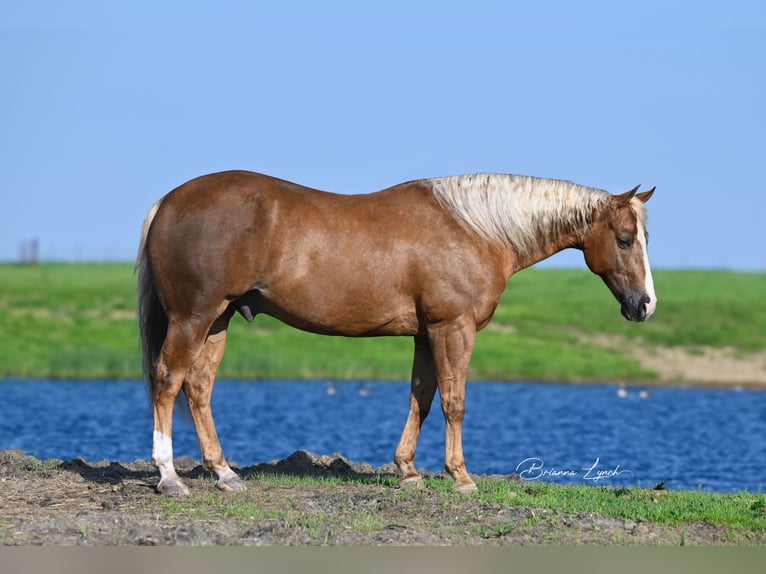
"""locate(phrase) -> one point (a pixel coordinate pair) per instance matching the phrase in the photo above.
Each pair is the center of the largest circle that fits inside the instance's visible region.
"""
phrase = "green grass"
(68, 321)
(275, 498)
(742, 510)
(78, 321)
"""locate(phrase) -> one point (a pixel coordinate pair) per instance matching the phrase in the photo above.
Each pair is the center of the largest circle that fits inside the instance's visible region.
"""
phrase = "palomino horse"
(427, 258)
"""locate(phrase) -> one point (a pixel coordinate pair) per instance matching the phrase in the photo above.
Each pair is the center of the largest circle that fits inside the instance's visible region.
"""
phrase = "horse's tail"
(152, 320)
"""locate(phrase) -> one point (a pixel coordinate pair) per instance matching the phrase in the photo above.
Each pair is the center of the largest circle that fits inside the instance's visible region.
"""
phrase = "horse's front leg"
(422, 390)
(452, 345)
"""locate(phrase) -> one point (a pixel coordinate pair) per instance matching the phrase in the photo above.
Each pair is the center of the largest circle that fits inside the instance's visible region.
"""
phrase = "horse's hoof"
(411, 482)
(465, 488)
(173, 487)
(231, 484)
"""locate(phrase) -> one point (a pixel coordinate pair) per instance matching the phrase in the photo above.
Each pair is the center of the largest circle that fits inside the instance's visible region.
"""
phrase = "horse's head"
(615, 249)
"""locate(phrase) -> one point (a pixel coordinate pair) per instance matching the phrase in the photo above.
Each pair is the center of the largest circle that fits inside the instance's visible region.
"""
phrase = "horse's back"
(246, 208)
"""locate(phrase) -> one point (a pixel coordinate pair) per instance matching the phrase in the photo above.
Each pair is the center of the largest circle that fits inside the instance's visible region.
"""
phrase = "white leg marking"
(162, 455)
(648, 281)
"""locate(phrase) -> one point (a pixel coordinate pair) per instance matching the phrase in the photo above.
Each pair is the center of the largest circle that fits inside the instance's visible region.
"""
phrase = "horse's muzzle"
(635, 308)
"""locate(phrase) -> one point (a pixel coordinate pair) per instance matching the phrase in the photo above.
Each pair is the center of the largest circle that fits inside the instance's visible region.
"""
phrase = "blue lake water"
(689, 438)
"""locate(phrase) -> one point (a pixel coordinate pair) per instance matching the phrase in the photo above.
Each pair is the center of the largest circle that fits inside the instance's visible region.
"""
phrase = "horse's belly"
(344, 315)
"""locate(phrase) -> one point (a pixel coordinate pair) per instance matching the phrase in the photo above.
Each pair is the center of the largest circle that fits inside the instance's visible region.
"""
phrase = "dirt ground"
(701, 366)
(725, 368)
(76, 502)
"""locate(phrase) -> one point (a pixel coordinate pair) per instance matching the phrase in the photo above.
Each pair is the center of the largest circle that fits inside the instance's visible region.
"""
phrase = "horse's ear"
(623, 199)
(644, 197)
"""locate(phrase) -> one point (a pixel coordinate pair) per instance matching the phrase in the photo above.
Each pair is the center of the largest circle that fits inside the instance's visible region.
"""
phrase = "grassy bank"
(501, 510)
(78, 321)
(741, 510)
(332, 501)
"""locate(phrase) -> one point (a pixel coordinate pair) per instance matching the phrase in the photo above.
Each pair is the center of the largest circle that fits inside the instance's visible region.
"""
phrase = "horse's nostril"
(625, 309)
(634, 308)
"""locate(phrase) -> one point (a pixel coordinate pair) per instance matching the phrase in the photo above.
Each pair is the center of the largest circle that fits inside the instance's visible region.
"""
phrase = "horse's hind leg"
(183, 343)
(422, 390)
(198, 388)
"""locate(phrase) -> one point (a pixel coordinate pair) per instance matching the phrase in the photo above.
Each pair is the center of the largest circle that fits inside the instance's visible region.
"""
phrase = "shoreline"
(756, 385)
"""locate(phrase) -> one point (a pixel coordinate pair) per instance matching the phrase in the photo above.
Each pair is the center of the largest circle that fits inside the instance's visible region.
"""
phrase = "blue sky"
(104, 109)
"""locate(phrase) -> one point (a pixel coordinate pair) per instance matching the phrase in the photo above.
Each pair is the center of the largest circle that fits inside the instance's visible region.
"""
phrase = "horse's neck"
(547, 246)
(559, 214)
(532, 217)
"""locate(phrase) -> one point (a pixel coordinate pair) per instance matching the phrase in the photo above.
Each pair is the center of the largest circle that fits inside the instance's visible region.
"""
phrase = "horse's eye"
(624, 242)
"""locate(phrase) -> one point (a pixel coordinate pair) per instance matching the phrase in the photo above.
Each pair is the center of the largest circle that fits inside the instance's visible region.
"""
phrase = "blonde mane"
(520, 211)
